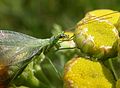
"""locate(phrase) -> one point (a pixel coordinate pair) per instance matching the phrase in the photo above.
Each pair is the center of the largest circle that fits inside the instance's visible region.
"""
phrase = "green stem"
(59, 75)
(40, 75)
(112, 67)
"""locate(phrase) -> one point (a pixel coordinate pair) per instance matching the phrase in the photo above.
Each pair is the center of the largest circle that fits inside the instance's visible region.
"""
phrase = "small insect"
(16, 48)
(19, 49)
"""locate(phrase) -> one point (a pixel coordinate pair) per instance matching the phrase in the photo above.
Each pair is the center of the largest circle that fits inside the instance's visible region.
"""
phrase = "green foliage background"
(37, 17)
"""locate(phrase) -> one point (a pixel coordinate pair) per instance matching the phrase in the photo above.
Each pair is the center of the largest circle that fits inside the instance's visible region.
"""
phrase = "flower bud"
(97, 39)
(84, 73)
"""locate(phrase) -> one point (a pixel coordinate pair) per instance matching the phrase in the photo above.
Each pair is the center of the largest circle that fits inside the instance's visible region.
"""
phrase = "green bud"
(97, 39)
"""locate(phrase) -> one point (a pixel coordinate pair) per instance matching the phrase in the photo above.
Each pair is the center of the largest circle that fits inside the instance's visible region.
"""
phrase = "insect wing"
(11, 38)
(11, 55)
(16, 47)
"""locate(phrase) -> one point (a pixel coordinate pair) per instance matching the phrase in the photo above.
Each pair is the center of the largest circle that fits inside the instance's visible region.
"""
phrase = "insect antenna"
(96, 17)
(92, 19)
(56, 39)
(86, 21)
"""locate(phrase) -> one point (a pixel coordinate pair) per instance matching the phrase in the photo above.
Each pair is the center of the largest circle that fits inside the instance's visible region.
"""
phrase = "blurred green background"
(36, 17)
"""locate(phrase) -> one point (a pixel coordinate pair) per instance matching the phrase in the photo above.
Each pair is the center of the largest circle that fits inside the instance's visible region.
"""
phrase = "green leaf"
(114, 65)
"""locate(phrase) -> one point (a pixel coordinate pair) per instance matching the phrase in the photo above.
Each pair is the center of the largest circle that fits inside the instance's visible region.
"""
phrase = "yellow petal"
(83, 73)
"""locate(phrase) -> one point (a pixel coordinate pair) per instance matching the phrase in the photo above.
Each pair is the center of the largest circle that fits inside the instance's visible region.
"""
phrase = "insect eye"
(63, 36)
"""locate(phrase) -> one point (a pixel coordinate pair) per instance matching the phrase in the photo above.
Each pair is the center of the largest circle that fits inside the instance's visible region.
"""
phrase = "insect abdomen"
(3, 76)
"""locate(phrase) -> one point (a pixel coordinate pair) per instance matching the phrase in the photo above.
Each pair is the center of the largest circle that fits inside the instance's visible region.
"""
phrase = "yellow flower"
(84, 73)
(97, 39)
(110, 15)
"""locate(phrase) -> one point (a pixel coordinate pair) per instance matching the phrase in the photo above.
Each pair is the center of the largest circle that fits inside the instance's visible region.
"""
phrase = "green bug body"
(17, 49)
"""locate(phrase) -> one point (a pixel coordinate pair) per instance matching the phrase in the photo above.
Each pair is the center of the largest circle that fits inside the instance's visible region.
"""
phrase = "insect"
(19, 49)
(16, 48)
